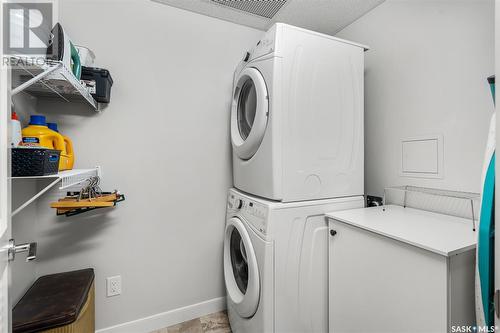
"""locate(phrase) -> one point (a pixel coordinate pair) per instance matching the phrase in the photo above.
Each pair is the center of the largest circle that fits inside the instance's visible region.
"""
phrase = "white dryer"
(297, 117)
(276, 263)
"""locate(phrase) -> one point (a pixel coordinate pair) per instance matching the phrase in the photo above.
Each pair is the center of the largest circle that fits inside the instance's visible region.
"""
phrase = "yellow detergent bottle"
(68, 158)
(37, 134)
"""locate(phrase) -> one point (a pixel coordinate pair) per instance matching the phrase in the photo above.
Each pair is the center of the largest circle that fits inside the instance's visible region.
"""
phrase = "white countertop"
(442, 234)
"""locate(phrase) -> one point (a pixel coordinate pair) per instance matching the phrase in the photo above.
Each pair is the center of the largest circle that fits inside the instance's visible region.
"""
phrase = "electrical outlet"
(113, 286)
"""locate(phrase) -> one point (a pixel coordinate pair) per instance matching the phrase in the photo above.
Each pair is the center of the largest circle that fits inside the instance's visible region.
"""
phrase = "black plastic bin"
(29, 162)
(99, 83)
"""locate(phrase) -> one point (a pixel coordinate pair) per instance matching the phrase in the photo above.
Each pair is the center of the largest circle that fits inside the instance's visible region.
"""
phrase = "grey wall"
(24, 224)
(426, 74)
(164, 142)
(23, 231)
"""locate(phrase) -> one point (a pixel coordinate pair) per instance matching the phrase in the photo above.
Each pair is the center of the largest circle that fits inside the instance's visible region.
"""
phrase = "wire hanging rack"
(454, 203)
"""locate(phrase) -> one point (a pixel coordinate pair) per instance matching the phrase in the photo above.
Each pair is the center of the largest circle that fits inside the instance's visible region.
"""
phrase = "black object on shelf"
(30, 162)
(491, 81)
(373, 201)
(99, 82)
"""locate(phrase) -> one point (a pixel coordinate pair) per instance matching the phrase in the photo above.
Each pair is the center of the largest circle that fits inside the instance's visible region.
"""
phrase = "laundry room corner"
(425, 77)
(164, 138)
(249, 166)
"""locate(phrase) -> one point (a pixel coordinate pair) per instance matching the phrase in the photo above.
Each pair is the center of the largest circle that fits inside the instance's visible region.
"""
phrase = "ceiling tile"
(327, 16)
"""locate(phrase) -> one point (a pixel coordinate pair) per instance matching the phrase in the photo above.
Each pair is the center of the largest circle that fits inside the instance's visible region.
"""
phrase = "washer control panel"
(263, 47)
(254, 212)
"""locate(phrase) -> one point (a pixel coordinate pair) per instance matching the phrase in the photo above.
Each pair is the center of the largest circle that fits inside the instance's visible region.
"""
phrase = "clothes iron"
(62, 49)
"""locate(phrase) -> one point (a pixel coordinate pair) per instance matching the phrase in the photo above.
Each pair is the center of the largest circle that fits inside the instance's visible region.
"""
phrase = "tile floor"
(213, 323)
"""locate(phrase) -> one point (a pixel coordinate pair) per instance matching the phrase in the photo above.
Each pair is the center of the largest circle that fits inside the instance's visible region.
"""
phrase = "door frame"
(5, 191)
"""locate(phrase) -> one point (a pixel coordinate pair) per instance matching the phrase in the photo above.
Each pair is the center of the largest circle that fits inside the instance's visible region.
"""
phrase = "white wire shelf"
(67, 179)
(454, 203)
(48, 79)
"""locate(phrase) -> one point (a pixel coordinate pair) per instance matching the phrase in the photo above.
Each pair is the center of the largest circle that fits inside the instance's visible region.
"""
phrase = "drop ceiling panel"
(327, 16)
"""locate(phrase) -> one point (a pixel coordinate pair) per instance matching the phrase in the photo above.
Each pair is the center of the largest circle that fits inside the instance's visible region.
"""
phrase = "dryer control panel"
(252, 211)
(267, 44)
(263, 47)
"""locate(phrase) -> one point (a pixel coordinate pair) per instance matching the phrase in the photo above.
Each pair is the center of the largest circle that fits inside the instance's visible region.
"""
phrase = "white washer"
(276, 263)
(297, 117)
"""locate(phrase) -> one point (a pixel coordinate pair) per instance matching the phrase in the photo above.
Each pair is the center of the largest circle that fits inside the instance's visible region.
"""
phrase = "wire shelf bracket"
(67, 179)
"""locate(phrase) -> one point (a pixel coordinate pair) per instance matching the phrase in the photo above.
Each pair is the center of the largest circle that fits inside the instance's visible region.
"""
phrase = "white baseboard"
(169, 318)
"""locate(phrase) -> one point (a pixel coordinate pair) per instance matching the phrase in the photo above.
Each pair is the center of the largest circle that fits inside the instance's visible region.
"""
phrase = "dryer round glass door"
(241, 272)
(249, 113)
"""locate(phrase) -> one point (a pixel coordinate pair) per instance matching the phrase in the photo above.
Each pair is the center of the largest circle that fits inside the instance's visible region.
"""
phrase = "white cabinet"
(400, 270)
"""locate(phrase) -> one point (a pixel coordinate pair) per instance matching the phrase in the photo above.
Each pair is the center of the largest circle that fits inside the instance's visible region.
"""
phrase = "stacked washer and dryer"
(298, 153)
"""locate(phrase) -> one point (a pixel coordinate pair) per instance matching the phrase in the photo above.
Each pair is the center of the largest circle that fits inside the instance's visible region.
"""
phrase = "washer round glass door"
(249, 113)
(241, 272)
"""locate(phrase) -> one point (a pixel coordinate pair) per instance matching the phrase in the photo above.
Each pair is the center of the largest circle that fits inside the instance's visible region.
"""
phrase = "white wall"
(164, 142)
(426, 74)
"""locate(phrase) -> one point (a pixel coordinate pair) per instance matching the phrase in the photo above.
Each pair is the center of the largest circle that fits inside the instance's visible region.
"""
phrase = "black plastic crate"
(99, 82)
(29, 162)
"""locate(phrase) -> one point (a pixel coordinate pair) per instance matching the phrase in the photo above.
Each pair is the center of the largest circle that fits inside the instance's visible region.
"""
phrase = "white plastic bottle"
(16, 136)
